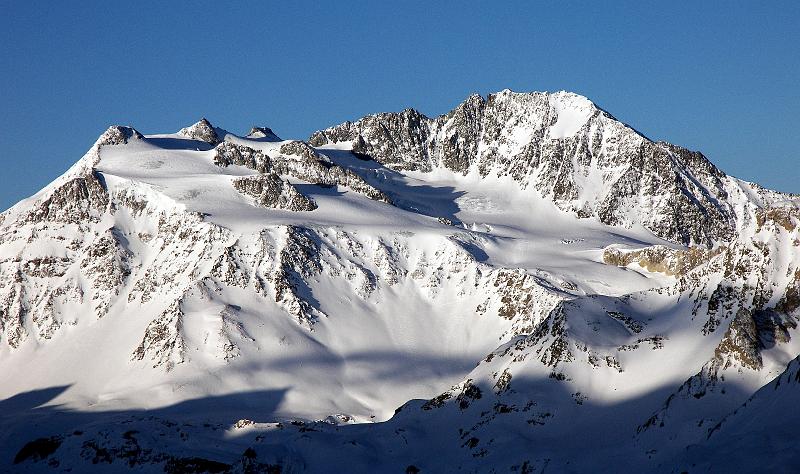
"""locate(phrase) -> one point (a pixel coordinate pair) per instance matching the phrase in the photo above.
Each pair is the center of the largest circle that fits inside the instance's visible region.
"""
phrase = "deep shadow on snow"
(482, 431)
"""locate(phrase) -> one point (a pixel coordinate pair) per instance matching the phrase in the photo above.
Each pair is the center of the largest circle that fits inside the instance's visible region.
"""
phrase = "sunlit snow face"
(517, 268)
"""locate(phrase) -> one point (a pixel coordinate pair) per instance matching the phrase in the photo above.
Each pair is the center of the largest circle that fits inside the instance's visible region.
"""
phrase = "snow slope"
(462, 292)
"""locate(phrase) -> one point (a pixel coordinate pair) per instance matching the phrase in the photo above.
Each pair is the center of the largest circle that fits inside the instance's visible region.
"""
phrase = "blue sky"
(721, 77)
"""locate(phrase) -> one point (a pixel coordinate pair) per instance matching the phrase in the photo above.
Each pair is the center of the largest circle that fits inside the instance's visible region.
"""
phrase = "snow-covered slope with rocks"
(568, 150)
(522, 283)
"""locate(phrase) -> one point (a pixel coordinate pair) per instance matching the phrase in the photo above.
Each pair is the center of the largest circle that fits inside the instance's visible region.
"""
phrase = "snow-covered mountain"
(523, 283)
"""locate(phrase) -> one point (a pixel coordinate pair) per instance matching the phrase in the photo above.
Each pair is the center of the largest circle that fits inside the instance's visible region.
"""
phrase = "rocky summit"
(523, 284)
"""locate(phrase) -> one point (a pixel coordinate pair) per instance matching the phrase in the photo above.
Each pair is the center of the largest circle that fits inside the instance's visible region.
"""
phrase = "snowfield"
(524, 284)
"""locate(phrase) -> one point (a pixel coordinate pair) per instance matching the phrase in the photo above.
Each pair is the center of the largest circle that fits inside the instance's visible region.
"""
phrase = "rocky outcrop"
(118, 135)
(661, 259)
(270, 191)
(300, 160)
(299, 260)
(163, 342)
(226, 154)
(106, 264)
(203, 131)
(80, 200)
(398, 140)
(297, 160)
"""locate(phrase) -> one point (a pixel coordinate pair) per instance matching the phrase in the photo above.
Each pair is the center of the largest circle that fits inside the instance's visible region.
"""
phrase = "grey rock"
(81, 199)
(202, 130)
(298, 160)
(227, 154)
(118, 135)
(270, 191)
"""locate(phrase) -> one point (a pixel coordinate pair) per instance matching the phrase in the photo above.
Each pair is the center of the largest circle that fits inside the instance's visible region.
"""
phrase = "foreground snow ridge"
(522, 284)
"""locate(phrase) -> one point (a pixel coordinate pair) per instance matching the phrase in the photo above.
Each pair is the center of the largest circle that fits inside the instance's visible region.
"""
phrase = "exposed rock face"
(80, 200)
(565, 148)
(227, 154)
(303, 162)
(298, 160)
(202, 130)
(163, 341)
(34, 287)
(107, 265)
(271, 191)
(659, 258)
(118, 135)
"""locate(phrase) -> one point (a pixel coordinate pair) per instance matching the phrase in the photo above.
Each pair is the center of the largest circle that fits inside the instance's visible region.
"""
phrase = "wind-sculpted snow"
(522, 284)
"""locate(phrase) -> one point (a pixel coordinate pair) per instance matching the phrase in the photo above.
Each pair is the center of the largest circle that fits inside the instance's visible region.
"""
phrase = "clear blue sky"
(721, 77)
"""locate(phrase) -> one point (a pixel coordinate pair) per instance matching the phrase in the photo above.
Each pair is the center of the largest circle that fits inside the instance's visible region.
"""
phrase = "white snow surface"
(402, 307)
(573, 112)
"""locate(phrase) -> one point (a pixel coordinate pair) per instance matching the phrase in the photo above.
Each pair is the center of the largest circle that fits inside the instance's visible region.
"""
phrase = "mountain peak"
(498, 271)
(118, 135)
(202, 130)
(264, 133)
(562, 146)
